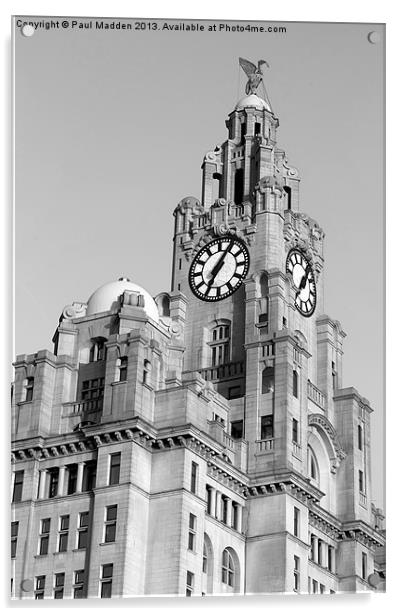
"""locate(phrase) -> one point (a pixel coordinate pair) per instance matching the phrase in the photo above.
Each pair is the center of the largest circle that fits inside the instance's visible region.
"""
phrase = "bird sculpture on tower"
(254, 74)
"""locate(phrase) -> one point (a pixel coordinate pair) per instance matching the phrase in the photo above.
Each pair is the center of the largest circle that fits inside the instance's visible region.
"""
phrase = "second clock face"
(303, 280)
(218, 269)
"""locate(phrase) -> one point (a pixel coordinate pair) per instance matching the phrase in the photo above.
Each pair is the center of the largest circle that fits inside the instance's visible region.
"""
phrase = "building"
(200, 442)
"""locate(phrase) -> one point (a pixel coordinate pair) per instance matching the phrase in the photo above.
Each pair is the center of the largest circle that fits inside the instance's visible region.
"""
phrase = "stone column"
(218, 511)
(80, 475)
(42, 483)
(314, 550)
(239, 517)
(60, 485)
(229, 512)
(213, 502)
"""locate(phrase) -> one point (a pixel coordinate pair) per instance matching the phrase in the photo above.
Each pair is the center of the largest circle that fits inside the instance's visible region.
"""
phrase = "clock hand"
(218, 266)
(303, 283)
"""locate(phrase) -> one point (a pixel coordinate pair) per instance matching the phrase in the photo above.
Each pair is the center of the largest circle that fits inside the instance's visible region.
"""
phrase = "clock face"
(303, 280)
(219, 269)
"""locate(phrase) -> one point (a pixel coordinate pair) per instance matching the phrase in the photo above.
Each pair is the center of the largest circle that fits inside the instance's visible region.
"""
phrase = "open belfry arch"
(201, 442)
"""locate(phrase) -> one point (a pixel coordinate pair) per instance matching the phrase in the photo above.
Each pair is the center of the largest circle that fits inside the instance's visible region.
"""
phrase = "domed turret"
(252, 100)
(107, 298)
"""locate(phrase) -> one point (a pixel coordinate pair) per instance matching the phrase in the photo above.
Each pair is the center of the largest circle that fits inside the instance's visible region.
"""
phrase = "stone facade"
(182, 447)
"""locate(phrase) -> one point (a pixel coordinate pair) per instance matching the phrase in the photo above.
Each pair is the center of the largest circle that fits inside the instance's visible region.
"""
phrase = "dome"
(252, 100)
(106, 298)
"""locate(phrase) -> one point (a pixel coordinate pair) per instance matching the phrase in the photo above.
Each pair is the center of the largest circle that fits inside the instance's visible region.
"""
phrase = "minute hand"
(218, 265)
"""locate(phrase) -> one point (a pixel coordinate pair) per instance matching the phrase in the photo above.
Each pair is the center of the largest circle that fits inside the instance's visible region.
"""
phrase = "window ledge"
(108, 543)
(40, 555)
(78, 549)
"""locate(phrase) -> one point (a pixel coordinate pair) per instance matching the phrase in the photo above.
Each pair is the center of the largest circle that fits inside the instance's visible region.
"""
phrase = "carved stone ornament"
(291, 171)
(73, 311)
(321, 422)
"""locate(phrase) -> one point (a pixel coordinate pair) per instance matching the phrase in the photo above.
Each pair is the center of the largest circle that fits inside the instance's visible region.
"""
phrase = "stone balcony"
(86, 410)
(264, 445)
(236, 449)
(316, 396)
(224, 371)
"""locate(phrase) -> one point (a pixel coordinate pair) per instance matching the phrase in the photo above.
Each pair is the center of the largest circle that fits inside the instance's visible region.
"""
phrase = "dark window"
(364, 565)
(361, 481)
(114, 472)
(209, 499)
(58, 585)
(322, 589)
(98, 351)
(334, 376)
(29, 389)
(79, 584)
(146, 375)
(312, 542)
(295, 430)
(224, 510)
(110, 523)
(14, 538)
(83, 530)
(18, 484)
(53, 482)
(72, 478)
(123, 369)
(44, 536)
(40, 581)
(284, 322)
(194, 474)
(268, 380)
(267, 427)
(63, 532)
(296, 522)
(237, 429)
(204, 558)
(288, 193)
(216, 186)
(296, 573)
(89, 477)
(295, 384)
(106, 581)
(360, 437)
(238, 186)
(234, 392)
(92, 393)
(330, 558)
(315, 587)
(243, 128)
(235, 515)
(319, 551)
(257, 128)
(192, 527)
(189, 584)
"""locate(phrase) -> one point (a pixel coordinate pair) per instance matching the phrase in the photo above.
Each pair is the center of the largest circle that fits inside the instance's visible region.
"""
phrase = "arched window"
(295, 384)
(98, 350)
(216, 186)
(268, 380)
(238, 186)
(146, 375)
(228, 568)
(165, 306)
(204, 559)
(220, 345)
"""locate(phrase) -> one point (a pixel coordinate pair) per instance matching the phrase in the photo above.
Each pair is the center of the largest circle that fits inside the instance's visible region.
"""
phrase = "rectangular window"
(123, 369)
(295, 431)
(309, 584)
(322, 589)
(64, 525)
(360, 437)
(194, 476)
(189, 584)
(312, 542)
(53, 482)
(235, 515)
(40, 581)
(58, 590)
(72, 478)
(78, 585)
(114, 471)
(225, 503)
(14, 538)
(209, 499)
(319, 552)
(296, 522)
(44, 536)
(29, 389)
(364, 565)
(83, 523)
(315, 587)
(106, 581)
(237, 429)
(192, 529)
(296, 573)
(89, 476)
(361, 482)
(295, 384)
(110, 523)
(267, 427)
(331, 560)
(18, 484)
(257, 128)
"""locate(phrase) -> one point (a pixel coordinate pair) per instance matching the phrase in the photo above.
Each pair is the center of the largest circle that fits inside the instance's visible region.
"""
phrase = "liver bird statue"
(254, 74)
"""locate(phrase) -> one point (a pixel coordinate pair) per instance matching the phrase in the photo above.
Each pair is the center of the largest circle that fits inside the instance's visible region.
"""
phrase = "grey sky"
(111, 128)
